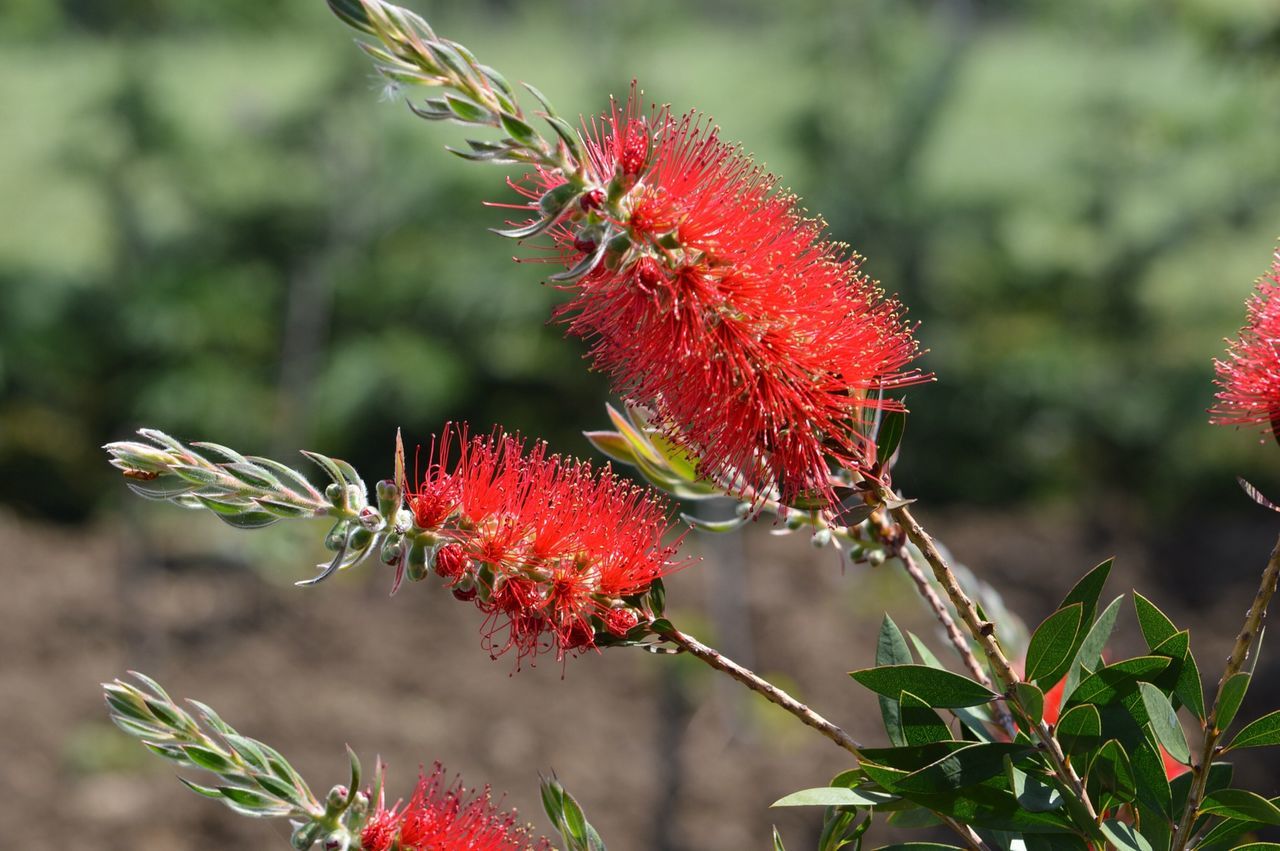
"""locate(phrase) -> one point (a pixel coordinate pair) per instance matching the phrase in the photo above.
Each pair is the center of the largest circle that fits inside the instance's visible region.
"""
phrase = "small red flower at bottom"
(446, 817)
(1249, 376)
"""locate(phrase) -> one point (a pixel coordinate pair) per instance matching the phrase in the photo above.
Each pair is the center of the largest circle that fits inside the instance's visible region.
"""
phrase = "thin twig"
(958, 641)
(777, 696)
(1235, 662)
(758, 684)
(984, 634)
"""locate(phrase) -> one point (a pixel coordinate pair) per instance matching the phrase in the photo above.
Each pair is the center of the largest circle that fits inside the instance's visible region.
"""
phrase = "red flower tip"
(446, 817)
(1249, 376)
(759, 345)
(620, 621)
(547, 547)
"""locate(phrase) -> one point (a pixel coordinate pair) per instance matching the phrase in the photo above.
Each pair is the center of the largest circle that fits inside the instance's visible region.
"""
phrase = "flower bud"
(592, 199)
(417, 563)
(620, 621)
(360, 538)
(333, 541)
(821, 538)
(359, 806)
(389, 497)
(339, 840)
(369, 518)
(392, 550)
(553, 200)
(465, 590)
(305, 836)
(796, 520)
(451, 561)
(337, 801)
(337, 495)
(875, 558)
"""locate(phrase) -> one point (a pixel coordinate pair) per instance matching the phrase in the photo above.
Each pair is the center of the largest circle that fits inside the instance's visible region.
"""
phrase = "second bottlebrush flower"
(558, 555)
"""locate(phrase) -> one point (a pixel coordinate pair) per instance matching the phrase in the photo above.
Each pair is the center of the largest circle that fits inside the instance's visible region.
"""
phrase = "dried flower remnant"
(1249, 376)
(718, 304)
(555, 553)
(446, 817)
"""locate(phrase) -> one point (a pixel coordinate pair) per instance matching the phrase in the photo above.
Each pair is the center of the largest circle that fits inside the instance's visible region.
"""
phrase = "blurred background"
(210, 224)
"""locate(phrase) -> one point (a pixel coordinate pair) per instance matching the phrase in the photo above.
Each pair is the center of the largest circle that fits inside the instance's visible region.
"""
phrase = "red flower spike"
(546, 546)
(759, 345)
(1249, 376)
(446, 817)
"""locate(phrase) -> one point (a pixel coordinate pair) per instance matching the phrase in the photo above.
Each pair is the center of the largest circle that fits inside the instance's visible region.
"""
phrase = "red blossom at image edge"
(446, 817)
(553, 551)
(760, 345)
(1249, 376)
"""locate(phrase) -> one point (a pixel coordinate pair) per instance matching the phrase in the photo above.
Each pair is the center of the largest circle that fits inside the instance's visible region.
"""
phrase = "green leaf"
(1155, 625)
(892, 426)
(1164, 722)
(1053, 645)
(937, 688)
(1153, 783)
(1258, 846)
(920, 724)
(209, 760)
(1241, 804)
(1261, 733)
(248, 519)
(1113, 770)
(1123, 835)
(1080, 729)
(613, 445)
(1233, 691)
(834, 796)
(891, 649)
(1031, 699)
(1088, 589)
(1111, 682)
(730, 525)
(200, 790)
(967, 766)
(777, 840)
(1186, 674)
(1180, 786)
(919, 846)
(1090, 650)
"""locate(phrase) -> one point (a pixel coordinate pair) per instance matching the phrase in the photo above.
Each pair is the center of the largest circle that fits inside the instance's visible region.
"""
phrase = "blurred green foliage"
(209, 224)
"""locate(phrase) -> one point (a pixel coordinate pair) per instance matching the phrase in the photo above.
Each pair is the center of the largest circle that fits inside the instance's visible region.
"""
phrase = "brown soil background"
(662, 753)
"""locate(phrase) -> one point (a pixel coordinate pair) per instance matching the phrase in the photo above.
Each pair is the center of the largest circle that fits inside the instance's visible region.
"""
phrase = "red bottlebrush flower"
(1249, 377)
(446, 817)
(546, 546)
(759, 344)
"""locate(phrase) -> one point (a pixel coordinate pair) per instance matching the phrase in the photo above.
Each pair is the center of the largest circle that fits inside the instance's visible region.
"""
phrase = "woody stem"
(778, 697)
(957, 639)
(1212, 734)
(984, 634)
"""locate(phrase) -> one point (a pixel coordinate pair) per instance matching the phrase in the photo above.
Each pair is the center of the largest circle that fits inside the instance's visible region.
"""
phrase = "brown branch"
(1212, 735)
(958, 641)
(984, 634)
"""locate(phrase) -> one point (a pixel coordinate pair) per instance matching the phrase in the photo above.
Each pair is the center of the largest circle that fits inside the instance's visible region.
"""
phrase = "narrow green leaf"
(200, 790)
(1123, 835)
(1031, 699)
(920, 724)
(835, 796)
(1080, 729)
(1155, 625)
(1090, 651)
(967, 766)
(1241, 804)
(1111, 767)
(720, 526)
(891, 649)
(209, 760)
(1261, 733)
(1088, 589)
(1164, 722)
(939, 689)
(892, 426)
(613, 445)
(1233, 691)
(1053, 645)
(1112, 681)
(1153, 783)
